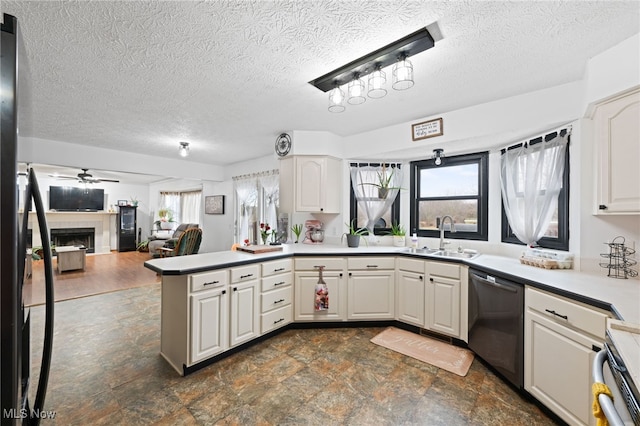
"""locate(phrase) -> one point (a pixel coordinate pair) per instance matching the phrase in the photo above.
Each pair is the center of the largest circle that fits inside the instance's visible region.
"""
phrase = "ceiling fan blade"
(108, 180)
(63, 177)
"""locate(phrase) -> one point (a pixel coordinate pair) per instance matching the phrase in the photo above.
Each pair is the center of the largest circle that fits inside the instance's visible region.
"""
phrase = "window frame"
(353, 205)
(479, 158)
(562, 242)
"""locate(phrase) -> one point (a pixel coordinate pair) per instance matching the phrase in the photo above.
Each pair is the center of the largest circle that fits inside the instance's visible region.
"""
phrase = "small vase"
(398, 240)
(382, 193)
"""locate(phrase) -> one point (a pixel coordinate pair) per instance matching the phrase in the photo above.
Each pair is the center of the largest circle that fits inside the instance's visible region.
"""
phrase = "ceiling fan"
(84, 177)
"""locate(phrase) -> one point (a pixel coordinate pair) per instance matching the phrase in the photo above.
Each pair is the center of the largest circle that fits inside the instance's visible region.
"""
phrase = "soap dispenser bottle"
(414, 241)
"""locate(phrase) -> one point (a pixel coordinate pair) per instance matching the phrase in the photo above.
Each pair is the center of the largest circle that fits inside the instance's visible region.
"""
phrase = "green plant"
(166, 215)
(37, 252)
(143, 246)
(297, 230)
(355, 231)
(398, 230)
(384, 182)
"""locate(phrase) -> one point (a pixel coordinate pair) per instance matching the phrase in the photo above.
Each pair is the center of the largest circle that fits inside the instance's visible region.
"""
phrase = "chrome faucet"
(453, 229)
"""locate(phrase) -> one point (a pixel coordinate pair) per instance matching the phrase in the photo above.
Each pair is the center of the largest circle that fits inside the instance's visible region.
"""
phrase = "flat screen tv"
(72, 199)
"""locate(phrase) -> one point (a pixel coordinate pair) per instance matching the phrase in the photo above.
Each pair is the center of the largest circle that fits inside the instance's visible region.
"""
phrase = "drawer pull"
(372, 266)
(557, 314)
(246, 276)
(211, 283)
(280, 283)
(278, 269)
(278, 301)
(319, 266)
(224, 291)
(277, 321)
(421, 278)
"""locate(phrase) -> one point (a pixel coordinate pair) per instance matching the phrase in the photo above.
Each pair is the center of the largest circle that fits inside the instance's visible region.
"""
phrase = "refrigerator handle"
(48, 277)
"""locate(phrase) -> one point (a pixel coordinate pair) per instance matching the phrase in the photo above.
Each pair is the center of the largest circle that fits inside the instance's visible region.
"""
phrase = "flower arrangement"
(265, 231)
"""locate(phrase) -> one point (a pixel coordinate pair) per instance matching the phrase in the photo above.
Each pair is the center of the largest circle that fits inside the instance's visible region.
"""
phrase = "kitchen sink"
(425, 250)
(445, 253)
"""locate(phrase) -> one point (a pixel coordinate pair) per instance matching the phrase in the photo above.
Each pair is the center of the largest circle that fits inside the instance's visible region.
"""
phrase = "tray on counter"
(259, 249)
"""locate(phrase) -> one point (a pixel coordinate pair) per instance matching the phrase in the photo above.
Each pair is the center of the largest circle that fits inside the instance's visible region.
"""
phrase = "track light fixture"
(183, 149)
(438, 154)
(372, 65)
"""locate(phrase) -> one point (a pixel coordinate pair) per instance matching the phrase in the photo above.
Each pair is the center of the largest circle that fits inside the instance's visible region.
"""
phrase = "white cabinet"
(310, 184)
(306, 278)
(371, 288)
(245, 309)
(410, 288)
(616, 136)
(276, 295)
(445, 299)
(561, 337)
(208, 324)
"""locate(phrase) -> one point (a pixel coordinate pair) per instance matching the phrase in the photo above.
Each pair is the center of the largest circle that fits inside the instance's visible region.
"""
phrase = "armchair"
(155, 242)
(188, 243)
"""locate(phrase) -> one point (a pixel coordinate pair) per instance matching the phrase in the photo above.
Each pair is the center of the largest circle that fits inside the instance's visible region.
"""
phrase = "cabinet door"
(443, 305)
(371, 295)
(245, 312)
(617, 132)
(304, 296)
(310, 174)
(558, 368)
(208, 324)
(411, 298)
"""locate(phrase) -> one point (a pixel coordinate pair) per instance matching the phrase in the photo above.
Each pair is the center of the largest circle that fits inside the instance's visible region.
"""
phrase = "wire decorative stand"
(619, 264)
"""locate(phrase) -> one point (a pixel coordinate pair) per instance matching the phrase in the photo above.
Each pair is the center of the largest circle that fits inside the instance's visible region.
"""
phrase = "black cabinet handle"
(430, 279)
(224, 291)
(557, 314)
(280, 283)
(421, 278)
(211, 283)
(319, 266)
(246, 276)
(280, 320)
(278, 269)
(340, 274)
(278, 301)
(372, 266)
(235, 289)
(602, 207)
(350, 274)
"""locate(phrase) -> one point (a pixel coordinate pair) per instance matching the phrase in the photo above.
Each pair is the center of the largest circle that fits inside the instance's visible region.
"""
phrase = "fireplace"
(74, 237)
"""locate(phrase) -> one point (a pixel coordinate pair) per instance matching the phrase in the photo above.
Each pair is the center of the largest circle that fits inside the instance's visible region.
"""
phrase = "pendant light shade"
(377, 80)
(336, 100)
(183, 149)
(356, 91)
(402, 75)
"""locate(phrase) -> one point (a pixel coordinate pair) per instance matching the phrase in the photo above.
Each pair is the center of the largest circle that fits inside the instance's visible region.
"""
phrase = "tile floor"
(106, 369)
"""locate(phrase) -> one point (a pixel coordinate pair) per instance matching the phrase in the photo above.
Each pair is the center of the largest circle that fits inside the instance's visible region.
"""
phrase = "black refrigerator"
(15, 330)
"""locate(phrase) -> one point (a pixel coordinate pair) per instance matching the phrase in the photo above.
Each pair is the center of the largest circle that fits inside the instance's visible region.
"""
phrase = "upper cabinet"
(310, 184)
(617, 142)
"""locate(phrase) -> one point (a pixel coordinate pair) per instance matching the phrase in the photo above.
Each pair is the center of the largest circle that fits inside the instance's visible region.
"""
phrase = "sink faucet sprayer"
(453, 229)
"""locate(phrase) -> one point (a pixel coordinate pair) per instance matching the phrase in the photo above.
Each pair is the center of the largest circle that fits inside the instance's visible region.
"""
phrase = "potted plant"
(384, 182)
(398, 232)
(143, 246)
(166, 219)
(354, 234)
(297, 230)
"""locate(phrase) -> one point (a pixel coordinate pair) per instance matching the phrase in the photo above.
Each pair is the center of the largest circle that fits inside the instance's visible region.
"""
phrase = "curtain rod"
(532, 140)
(257, 174)
(377, 164)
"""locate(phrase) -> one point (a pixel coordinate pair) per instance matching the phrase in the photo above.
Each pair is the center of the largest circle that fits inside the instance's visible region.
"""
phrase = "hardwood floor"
(103, 273)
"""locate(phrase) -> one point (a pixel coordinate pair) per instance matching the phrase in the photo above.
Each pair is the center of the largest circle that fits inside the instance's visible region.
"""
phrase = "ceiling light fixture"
(336, 100)
(356, 91)
(371, 65)
(438, 154)
(183, 150)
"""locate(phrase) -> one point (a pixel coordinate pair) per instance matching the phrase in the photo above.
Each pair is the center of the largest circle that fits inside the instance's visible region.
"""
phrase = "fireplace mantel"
(104, 224)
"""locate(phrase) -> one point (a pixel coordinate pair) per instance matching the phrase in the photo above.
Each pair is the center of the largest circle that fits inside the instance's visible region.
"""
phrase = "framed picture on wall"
(214, 204)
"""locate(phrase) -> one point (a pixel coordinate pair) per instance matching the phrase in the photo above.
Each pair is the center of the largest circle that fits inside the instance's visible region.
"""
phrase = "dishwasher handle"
(493, 283)
(606, 403)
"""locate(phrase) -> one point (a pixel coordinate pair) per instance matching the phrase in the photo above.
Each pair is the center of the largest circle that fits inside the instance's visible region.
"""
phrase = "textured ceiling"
(229, 76)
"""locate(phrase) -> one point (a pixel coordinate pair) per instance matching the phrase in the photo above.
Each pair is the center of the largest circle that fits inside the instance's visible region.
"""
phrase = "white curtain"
(190, 207)
(246, 190)
(531, 179)
(366, 182)
(271, 193)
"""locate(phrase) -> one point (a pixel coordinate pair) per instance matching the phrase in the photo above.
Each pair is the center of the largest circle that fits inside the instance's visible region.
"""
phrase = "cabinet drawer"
(371, 263)
(330, 263)
(577, 315)
(277, 281)
(207, 280)
(411, 265)
(276, 267)
(275, 319)
(276, 299)
(244, 273)
(441, 269)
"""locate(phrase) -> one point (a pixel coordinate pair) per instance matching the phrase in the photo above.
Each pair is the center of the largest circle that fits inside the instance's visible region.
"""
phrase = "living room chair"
(168, 240)
(188, 243)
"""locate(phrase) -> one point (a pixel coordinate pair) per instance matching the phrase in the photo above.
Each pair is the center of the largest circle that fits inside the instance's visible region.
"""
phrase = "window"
(369, 176)
(185, 206)
(458, 188)
(557, 234)
(257, 199)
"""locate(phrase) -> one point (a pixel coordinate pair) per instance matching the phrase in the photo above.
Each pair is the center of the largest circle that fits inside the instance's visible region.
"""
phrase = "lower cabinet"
(561, 339)
(371, 288)
(209, 327)
(410, 290)
(244, 312)
(307, 276)
(276, 296)
(446, 298)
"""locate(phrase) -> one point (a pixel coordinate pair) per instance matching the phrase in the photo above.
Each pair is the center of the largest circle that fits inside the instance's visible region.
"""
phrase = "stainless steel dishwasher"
(496, 324)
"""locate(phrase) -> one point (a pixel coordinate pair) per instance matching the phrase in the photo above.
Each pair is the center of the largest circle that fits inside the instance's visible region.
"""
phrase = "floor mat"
(442, 355)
